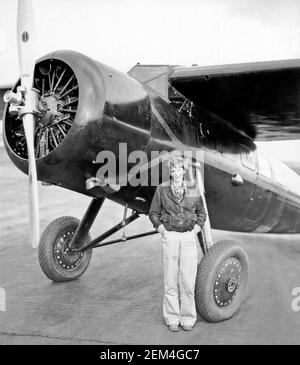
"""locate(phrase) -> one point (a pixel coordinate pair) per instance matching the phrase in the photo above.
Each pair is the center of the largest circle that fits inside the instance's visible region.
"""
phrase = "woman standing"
(177, 212)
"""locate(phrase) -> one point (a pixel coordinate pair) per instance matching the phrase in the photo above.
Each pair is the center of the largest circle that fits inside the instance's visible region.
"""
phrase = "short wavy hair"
(177, 159)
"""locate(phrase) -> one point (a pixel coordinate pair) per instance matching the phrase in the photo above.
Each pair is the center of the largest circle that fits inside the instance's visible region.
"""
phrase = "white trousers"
(180, 251)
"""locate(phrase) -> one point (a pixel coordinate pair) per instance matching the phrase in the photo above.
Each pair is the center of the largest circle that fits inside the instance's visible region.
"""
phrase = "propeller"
(26, 52)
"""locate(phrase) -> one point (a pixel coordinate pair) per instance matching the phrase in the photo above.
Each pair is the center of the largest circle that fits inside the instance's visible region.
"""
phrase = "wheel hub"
(232, 283)
(64, 256)
(227, 282)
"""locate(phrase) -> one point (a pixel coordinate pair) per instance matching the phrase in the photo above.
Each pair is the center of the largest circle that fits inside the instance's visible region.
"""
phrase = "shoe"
(187, 327)
(173, 327)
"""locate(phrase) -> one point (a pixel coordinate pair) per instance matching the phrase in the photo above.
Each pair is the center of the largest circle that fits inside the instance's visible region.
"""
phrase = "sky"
(121, 33)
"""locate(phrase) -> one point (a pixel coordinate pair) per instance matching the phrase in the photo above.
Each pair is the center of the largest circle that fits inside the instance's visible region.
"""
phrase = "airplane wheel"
(221, 281)
(56, 259)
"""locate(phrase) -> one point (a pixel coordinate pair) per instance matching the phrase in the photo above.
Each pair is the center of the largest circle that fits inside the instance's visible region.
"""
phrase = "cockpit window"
(248, 160)
(154, 76)
(264, 167)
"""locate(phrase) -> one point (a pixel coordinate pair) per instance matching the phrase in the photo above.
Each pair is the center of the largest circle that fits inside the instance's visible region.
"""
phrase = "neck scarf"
(178, 190)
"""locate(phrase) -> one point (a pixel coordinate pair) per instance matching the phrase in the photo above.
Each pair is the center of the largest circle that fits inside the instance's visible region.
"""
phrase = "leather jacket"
(174, 215)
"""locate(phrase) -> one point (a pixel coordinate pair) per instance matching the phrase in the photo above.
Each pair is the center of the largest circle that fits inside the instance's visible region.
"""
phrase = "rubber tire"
(46, 254)
(208, 268)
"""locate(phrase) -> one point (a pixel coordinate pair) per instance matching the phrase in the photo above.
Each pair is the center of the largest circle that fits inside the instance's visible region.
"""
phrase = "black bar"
(202, 242)
(86, 223)
(127, 239)
(108, 233)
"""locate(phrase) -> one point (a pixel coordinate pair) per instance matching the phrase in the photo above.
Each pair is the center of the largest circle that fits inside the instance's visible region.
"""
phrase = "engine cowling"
(84, 107)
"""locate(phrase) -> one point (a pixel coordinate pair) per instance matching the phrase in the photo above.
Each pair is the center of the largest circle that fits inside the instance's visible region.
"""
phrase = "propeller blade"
(26, 51)
(26, 41)
(28, 121)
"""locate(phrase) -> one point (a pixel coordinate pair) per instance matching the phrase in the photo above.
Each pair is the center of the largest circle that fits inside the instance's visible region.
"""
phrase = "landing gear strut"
(222, 273)
(65, 248)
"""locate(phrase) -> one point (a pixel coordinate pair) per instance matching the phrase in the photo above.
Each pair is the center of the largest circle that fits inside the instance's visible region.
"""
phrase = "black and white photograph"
(150, 174)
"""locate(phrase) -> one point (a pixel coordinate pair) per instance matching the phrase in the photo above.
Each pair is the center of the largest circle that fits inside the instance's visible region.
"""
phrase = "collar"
(171, 195)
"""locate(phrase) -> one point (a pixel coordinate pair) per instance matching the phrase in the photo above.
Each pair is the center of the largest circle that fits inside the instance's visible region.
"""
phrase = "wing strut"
(204, 235)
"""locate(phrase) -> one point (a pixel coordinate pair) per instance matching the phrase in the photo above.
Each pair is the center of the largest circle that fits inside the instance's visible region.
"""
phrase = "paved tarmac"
(119, 299)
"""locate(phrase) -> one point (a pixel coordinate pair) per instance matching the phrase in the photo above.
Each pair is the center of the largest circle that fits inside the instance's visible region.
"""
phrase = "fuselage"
(115, 110)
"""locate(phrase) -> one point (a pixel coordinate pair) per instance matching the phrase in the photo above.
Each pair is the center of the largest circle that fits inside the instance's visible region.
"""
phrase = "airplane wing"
(261, 99)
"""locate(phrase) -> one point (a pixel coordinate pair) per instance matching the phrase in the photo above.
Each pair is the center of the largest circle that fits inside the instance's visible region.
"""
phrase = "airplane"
(67, 108)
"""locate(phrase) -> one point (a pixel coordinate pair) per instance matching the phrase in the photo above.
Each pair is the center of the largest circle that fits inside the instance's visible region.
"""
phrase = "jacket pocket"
(193, 217)
(191, 221)
(165, 219)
